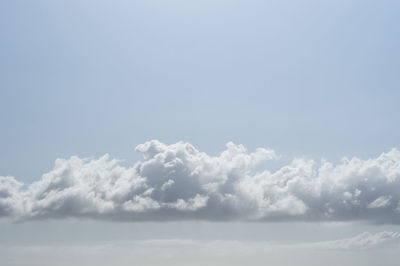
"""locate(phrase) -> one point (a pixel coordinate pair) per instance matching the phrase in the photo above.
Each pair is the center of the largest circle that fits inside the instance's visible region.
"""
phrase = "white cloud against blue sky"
(179, 182)
(315, 79)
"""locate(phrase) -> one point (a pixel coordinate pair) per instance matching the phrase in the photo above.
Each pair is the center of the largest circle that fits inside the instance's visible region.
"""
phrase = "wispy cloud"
(175, 182)
(363, 241)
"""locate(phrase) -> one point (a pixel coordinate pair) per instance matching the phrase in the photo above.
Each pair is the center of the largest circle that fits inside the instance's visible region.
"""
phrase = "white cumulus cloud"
(175, 182)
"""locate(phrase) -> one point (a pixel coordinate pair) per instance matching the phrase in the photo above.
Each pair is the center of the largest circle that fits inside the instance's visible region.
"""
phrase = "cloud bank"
(178, 182)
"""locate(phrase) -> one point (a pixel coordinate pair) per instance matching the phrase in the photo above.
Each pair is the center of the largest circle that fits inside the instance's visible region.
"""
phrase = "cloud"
(363, 241)
(380, 202)
(366, 249)
(178, 182)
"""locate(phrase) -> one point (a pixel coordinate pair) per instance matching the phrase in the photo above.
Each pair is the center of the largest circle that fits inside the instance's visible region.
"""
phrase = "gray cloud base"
(178, 182)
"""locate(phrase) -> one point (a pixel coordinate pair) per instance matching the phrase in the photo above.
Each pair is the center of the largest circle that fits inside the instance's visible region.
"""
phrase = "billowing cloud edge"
(178, 182)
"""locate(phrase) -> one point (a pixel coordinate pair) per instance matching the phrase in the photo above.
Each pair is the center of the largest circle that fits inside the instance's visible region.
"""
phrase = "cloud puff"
(175, 182)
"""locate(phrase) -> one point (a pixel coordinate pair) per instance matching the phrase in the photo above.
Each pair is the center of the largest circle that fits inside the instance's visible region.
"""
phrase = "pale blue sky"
(312, 78)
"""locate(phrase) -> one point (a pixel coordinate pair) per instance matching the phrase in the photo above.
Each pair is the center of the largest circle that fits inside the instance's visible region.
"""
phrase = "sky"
(234, 131)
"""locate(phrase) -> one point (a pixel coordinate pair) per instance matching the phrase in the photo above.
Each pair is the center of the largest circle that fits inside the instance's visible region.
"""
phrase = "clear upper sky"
(312, 78)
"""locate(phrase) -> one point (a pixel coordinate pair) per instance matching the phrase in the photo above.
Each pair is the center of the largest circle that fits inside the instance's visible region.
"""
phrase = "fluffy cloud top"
(179, 182)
